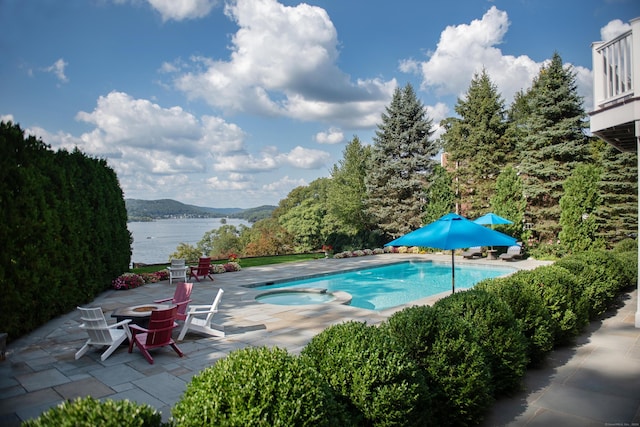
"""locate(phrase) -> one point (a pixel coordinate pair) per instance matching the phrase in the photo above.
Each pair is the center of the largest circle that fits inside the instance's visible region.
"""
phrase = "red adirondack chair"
(180, 298)
(158, 334)
(203, 269)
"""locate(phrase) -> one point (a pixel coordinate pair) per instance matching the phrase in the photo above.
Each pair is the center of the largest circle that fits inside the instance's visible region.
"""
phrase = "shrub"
(562, 295)
(90, 412)
(602, 276)
(455, 365)
(496, 330)
(530, 311)
(626, 245)
(258, 387)
(381, 384)
(629, 262)
(128, 281)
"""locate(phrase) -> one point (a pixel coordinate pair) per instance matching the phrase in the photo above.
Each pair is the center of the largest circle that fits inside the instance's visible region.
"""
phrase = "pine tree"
(553, 145)
(509, 202)
(580, 200)
(440, 198)
(401, 162)
(346, 192)
(476, 144)
(617, 216)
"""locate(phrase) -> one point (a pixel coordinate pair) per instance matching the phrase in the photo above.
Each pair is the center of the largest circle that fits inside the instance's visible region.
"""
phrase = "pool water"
(389, 286)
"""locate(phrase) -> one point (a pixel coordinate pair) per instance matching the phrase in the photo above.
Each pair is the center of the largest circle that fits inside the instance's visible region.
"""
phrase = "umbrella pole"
(453, 274)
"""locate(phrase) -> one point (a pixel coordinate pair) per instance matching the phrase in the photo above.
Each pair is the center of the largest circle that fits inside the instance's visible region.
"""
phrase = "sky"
(232, 104)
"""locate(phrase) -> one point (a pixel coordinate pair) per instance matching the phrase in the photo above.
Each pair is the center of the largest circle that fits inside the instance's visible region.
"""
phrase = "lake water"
(154, 241)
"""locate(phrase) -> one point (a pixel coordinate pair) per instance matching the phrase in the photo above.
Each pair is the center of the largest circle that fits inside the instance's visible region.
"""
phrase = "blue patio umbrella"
(492, 219)
(452, 232)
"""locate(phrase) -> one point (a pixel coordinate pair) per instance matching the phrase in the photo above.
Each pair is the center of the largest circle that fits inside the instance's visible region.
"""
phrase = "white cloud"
(468, 48)
(179, 10)
(305, 158)
(283, 63)
(332, 136)
(7, 118)
(613, 29)
(284, 185)
(57, 68)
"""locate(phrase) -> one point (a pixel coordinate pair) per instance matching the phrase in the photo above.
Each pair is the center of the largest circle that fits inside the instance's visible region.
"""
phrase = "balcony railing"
(617, 69)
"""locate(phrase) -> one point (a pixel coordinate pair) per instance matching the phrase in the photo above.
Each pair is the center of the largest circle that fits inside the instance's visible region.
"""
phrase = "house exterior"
(616, 95)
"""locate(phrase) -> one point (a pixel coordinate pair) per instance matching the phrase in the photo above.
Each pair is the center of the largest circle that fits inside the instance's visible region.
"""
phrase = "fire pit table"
(139, 314)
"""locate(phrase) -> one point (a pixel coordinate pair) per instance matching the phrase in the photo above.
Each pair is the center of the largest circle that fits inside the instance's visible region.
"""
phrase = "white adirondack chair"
(101, 334)
(199, 319)
(177, 270)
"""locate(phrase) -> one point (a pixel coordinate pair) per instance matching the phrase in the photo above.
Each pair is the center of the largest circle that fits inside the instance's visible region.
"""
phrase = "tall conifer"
(553, 144)
(401, 161)
(476, 144)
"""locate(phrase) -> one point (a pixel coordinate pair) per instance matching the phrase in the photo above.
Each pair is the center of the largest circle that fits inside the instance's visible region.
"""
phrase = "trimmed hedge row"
(442, 365)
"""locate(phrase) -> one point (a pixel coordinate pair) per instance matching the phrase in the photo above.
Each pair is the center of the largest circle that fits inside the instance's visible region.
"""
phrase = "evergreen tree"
(580, 200)
(509, 202)
(553, 145)
(617, 215)
(401, 162)
(475, 142)
(347, 191)
(439, 197)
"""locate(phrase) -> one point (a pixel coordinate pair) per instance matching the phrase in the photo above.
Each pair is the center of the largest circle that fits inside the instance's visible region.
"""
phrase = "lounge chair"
(178, 270)
(181, 298)
(158, 334)
(203, 269)
(101, 334)
(473, 252)
(513, 252)
(199, 319)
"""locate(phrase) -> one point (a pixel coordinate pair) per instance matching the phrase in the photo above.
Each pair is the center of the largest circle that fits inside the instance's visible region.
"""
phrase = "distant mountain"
(148, 210)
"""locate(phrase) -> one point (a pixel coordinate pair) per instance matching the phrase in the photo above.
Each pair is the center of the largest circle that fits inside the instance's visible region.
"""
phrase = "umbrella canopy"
(492, 219)
(453, 231)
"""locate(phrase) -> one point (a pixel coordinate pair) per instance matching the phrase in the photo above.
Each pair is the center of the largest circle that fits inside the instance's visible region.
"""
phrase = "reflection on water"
(154, 241)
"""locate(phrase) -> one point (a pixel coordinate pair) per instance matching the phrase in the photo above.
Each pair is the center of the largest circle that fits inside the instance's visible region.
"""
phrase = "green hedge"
(529, 308)
(497, 331)
(443, 345)
(259, 387)
(63, 227)
(383, 386)
(89, 412)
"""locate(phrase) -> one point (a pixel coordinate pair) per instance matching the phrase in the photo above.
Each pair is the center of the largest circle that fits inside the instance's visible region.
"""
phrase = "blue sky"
(234, 104)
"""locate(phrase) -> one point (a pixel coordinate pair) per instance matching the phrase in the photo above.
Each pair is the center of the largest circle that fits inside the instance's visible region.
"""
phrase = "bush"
(381, 384)
(629, 262)
(601, 275)
(530, 311)
(444, 346)
(90, 412)
(562, 295)
(258, 387)
(626, 245)
(127, 281)
(497, 331)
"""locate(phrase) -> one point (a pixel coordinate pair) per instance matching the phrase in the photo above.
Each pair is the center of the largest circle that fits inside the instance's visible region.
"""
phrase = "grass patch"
(244, 262)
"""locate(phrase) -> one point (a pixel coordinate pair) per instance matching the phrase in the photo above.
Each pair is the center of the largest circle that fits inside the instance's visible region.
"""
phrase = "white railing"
(617, 63)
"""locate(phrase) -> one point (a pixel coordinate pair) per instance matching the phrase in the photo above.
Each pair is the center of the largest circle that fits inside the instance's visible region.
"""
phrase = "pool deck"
(40, 370)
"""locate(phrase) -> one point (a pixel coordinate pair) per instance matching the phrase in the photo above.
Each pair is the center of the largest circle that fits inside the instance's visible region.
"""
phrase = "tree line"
(533, 162)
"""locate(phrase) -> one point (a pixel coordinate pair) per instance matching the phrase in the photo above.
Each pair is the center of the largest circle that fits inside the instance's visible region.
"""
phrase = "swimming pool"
(392, 285)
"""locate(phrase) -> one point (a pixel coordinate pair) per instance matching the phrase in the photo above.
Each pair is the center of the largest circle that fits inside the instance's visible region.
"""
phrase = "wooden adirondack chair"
(181, 298)
(177, 270)
(199, 319)
(158, 334)
(203, 269)
(100, 333)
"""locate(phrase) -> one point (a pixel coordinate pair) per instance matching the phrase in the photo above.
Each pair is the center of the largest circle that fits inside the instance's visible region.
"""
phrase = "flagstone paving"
(597, 381)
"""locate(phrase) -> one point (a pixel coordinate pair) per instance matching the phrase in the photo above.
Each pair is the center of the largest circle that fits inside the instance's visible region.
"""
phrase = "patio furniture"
(138, 314)
(158, 334)
(180, 298)
(472, 252)
(513, 252)
(177, 270)
(203, 269)
(101, 334)
(199, 319)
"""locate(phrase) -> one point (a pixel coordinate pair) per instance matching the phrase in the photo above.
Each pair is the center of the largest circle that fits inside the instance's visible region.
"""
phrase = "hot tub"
(302, 296)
